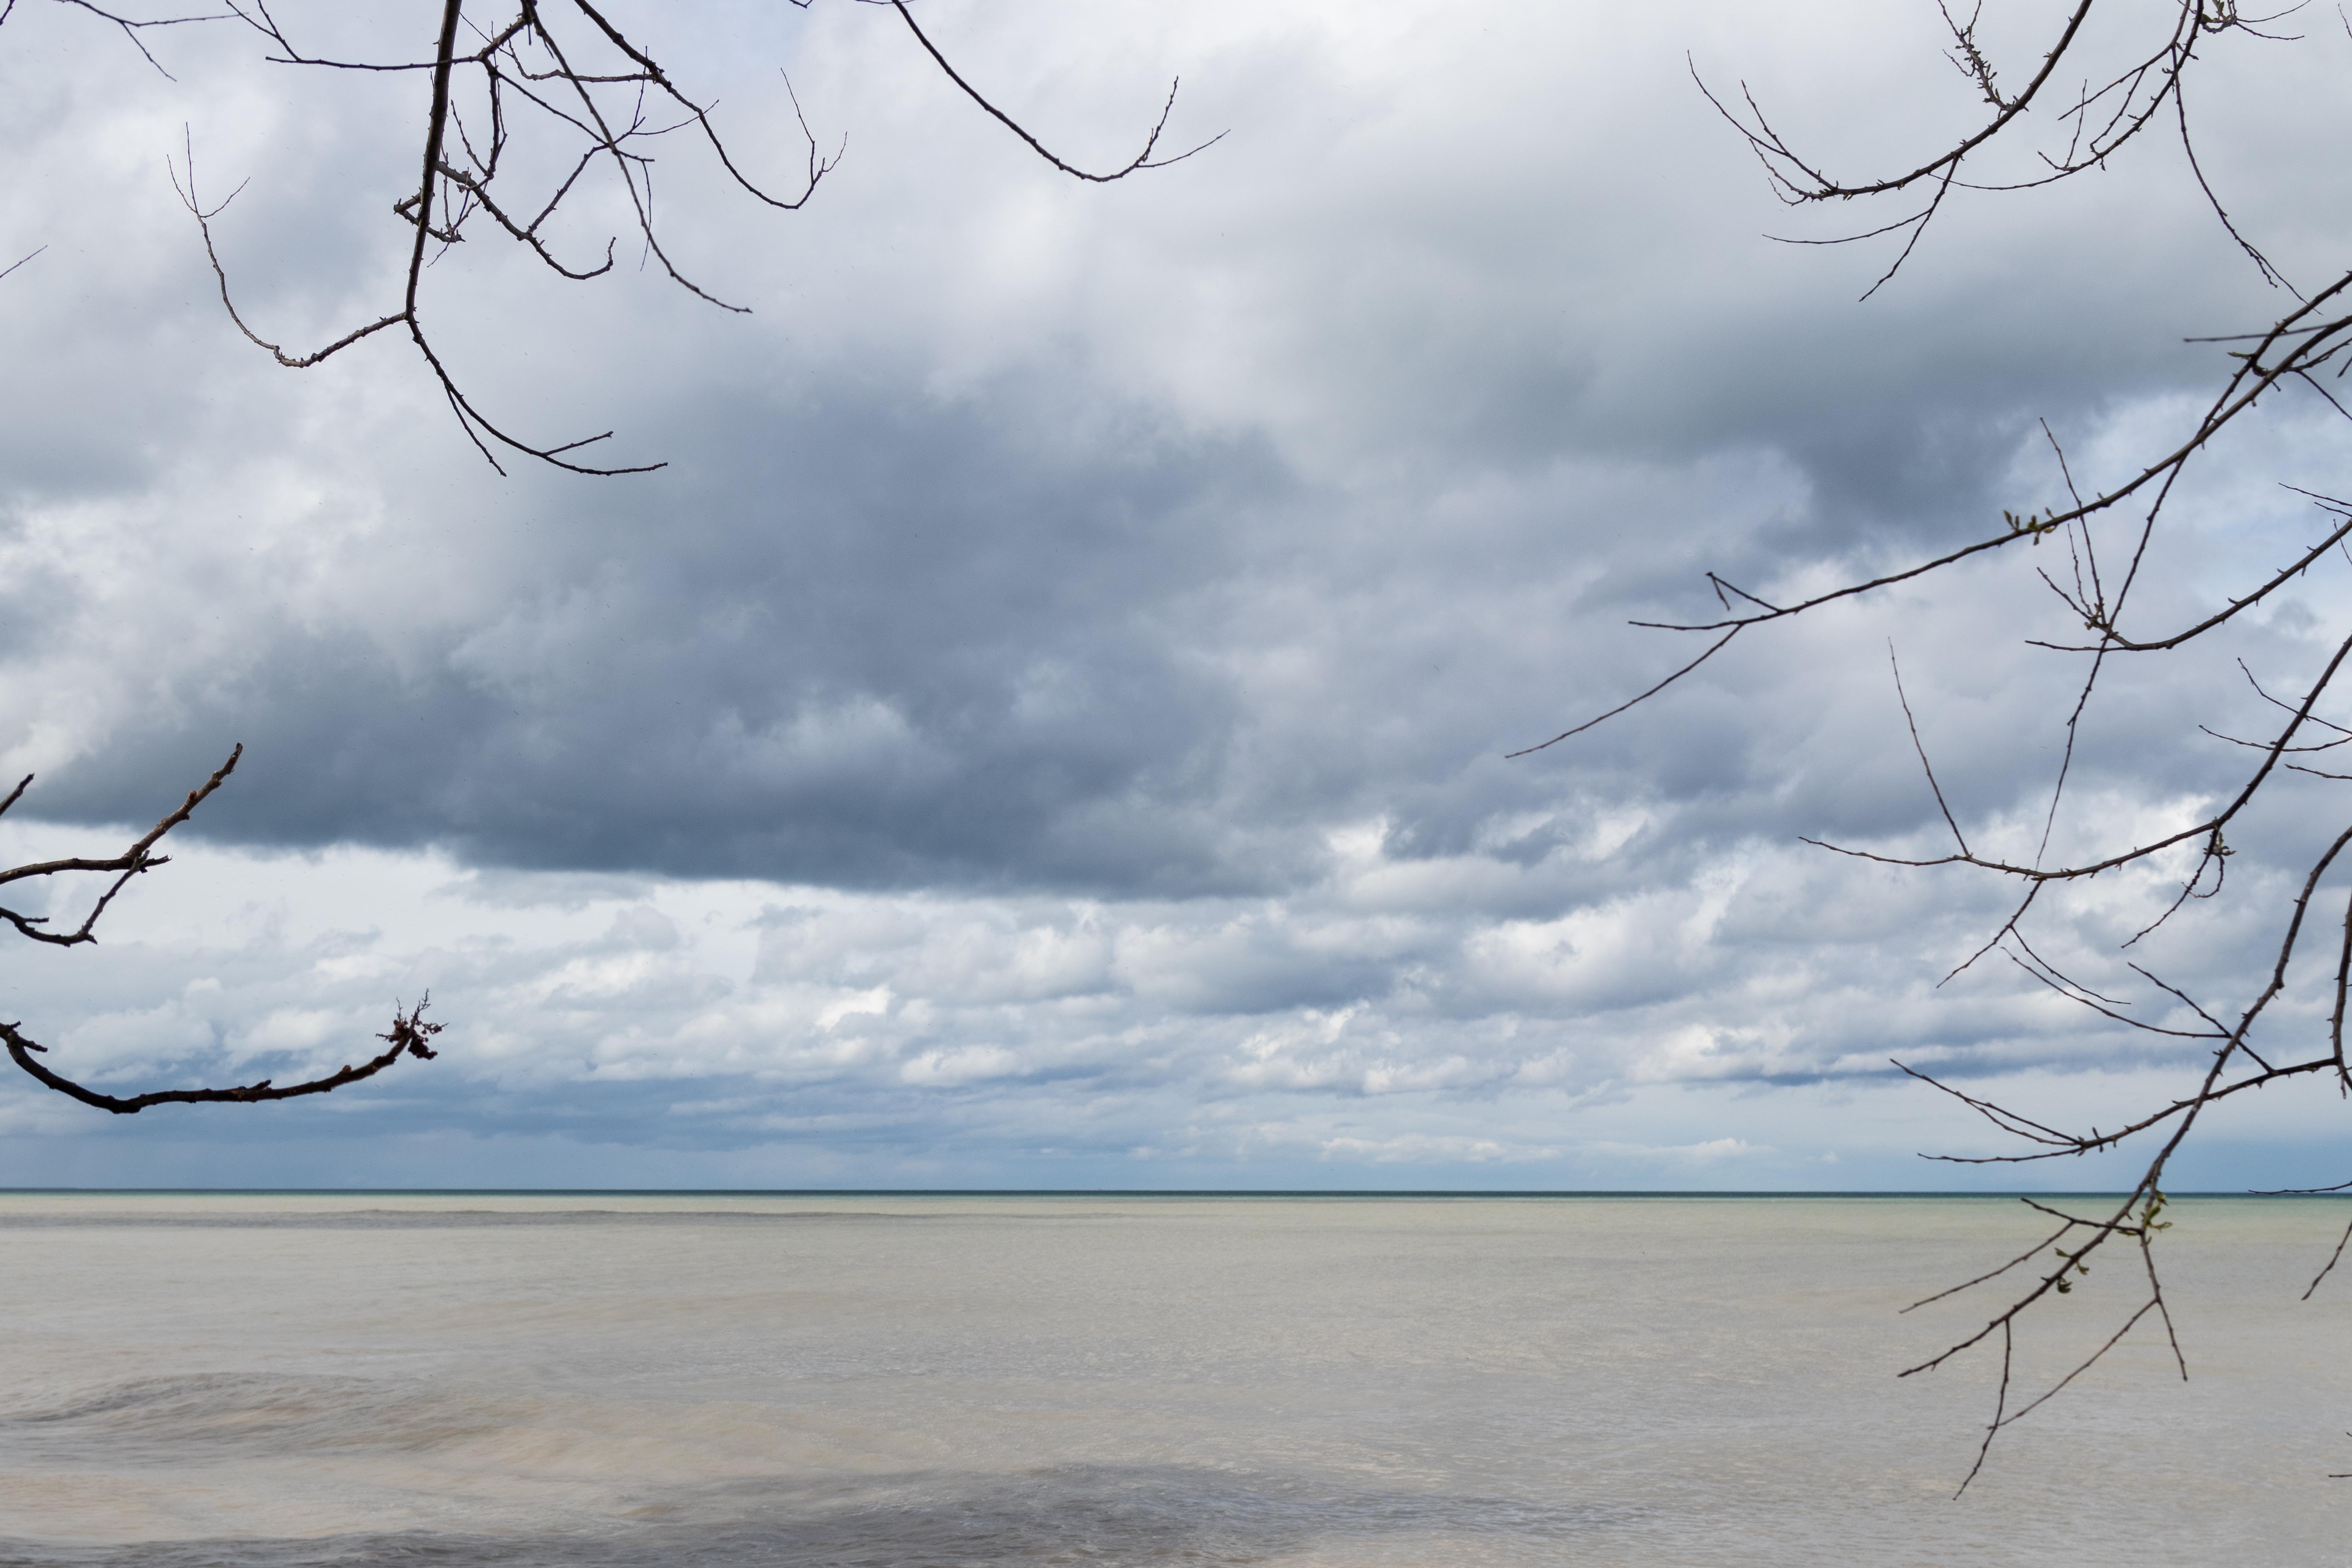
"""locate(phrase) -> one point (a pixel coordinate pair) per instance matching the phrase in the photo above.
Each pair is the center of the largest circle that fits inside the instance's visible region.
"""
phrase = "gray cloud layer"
(1131, 591)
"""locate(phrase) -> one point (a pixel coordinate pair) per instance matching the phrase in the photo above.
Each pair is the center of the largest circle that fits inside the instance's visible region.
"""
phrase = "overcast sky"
(1047, 725)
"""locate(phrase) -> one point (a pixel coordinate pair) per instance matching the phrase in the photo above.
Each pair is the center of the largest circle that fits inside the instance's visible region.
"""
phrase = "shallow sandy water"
(595, 1379)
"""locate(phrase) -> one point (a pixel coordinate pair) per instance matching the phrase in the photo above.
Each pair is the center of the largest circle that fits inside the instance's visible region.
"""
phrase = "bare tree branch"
(571, 72)
(407, 1036)
(2311, 338)
(1142, 160)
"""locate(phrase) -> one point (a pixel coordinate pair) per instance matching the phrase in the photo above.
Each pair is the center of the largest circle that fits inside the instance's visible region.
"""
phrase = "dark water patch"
(1102, 1515)
(208, 1417)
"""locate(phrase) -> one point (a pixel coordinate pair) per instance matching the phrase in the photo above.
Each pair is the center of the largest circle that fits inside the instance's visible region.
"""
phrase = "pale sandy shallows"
(914, 1382)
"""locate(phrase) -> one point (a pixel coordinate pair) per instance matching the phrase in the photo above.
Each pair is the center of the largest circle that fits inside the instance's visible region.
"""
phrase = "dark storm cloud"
(885, 642)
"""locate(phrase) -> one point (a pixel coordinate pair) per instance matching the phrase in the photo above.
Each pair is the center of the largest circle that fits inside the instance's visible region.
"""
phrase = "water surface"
(895, 1382)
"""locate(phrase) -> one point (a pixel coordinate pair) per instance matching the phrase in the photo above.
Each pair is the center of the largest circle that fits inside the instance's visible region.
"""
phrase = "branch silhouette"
(2108, 533)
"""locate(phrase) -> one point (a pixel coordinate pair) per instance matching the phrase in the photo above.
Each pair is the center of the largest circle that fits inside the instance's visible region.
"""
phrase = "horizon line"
(1137, 1193)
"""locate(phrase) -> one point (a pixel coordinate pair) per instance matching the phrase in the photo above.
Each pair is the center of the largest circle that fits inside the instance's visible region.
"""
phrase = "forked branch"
(139, 857)
(556, 71)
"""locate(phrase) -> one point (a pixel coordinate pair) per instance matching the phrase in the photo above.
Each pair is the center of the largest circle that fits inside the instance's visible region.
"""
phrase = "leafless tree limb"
(550, 70)
(2309, 340)
(407, 1036)
(1142, 160)
(137, 860)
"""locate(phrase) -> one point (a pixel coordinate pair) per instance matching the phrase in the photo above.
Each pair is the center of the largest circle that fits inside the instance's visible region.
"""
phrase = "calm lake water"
(921, 1381)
